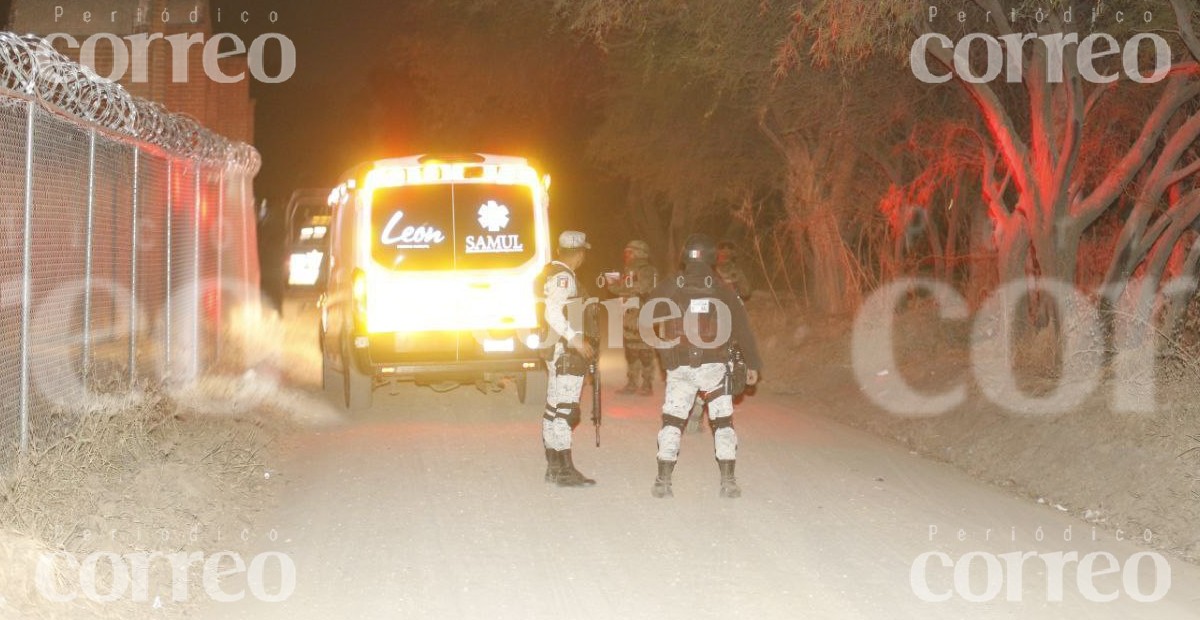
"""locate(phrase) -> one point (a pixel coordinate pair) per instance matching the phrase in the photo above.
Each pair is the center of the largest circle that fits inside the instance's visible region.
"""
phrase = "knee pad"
(570, 413)
(670, 420)
(721, 422)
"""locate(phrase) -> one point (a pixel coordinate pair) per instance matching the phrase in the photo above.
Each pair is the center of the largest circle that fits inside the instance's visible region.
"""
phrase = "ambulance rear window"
(452, 226)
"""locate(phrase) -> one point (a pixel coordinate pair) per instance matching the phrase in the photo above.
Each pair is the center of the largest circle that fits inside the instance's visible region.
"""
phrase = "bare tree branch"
(998, 121)
(1179, 89)
(1184, 173)
(1094, 98)
(770, 134)
(1135, 234)
(993, 6)
(1183, 15)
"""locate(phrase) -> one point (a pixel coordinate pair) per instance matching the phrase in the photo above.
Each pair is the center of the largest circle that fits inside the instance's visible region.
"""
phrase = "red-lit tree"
(1042, 183)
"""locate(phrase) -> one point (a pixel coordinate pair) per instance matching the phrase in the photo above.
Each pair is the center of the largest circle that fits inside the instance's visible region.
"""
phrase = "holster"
(571, 363)
(737, 378)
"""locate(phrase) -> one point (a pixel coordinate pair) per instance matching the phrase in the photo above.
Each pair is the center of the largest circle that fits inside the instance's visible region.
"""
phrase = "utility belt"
(550, 339)
(551, 342)
(676, 357)
(571, 363)
(736, 374)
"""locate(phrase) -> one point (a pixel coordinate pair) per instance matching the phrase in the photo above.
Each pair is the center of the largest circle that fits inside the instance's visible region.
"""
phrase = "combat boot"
(553, 465)
(662, 484)
(646, 389)
(568, 476)
(630, 387)
(729, 485)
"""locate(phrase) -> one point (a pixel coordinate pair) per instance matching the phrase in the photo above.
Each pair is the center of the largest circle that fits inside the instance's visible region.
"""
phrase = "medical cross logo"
(493, 216)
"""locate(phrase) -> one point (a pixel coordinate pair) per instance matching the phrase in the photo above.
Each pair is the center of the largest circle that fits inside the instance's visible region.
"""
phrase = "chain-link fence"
(126, 236)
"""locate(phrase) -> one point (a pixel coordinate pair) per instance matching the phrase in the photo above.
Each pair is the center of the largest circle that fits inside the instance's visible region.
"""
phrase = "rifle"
(591, 333)
(735, 379)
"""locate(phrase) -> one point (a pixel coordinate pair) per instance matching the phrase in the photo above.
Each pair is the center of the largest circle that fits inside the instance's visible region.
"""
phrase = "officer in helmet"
(697, 316)
(634, 283)
(730, 273)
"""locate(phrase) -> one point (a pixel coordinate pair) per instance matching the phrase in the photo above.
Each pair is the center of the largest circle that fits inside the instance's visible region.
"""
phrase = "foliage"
(806, 111)
(709, 108)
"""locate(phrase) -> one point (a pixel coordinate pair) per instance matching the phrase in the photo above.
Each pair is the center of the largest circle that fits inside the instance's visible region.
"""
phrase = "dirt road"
(433, 506)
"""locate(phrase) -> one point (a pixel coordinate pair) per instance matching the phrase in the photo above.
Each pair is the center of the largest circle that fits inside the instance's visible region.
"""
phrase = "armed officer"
(638, 278)
(730, 273)
(694, 348)
(569, 356)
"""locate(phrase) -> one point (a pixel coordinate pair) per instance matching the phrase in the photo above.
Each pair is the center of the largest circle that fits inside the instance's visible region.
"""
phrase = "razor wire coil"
(30, 66)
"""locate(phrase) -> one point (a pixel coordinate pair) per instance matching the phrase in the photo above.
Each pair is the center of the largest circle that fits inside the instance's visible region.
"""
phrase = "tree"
(707, 110)
(1040, 194)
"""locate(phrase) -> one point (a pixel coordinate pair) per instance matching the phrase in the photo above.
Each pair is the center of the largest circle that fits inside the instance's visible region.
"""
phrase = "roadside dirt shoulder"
(1134, 472)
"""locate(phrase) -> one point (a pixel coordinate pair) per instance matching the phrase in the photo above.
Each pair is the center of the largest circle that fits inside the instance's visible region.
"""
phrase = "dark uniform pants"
(639, 361)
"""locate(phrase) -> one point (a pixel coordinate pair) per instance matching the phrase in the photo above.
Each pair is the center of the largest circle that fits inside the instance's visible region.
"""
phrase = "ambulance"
(432, 262)
(306, 226)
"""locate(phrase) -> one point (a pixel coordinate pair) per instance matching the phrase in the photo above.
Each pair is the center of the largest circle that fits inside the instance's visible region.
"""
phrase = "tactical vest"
(698, 306)
(550, 271)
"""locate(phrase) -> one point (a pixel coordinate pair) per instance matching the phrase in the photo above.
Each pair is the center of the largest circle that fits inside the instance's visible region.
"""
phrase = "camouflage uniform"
(566, 367)
(730, 272)
(564, 380)
(694, 370)
(638, 279)
(684, 385)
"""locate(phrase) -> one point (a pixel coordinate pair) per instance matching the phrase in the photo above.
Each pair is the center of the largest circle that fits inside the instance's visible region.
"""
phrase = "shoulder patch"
(563, 282)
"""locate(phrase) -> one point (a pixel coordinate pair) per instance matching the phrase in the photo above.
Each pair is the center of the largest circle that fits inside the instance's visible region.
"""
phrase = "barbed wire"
(29, 65)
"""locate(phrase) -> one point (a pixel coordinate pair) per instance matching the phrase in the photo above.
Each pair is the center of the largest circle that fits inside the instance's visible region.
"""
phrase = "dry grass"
(165, 471)
(284, 349)
(151, 476)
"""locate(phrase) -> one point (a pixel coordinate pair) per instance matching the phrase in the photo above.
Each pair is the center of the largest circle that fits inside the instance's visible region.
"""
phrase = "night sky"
(300, 123)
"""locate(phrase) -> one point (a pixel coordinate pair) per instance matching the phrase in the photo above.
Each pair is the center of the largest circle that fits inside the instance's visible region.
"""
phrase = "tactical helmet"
(699, 248)
(640, 248)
